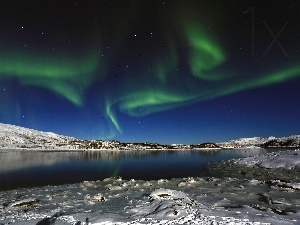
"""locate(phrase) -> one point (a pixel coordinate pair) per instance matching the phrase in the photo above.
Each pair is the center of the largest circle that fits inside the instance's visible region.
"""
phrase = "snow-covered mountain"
(290, 141)
(15, 137)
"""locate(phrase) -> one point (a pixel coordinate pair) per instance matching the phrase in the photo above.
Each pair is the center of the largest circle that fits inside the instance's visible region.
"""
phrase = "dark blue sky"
(157, 71)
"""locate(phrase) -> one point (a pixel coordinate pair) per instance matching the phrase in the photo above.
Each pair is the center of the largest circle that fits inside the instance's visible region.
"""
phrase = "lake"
(38, 168)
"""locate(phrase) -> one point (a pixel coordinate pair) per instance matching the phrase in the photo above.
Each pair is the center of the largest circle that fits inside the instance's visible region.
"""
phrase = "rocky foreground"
(251, 191)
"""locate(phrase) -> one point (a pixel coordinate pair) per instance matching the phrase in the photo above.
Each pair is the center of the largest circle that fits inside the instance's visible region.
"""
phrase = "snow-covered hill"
(12, 137)
(290, 141)
(15, 137)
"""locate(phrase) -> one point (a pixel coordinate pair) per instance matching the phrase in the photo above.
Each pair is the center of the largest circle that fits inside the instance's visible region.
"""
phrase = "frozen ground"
(285, 160)
(255, 190)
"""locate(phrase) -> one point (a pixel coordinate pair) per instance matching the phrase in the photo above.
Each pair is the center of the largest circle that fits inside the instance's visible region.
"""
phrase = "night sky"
(157, 71)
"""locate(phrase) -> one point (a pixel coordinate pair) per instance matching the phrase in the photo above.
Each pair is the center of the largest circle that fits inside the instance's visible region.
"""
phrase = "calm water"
(36, 168)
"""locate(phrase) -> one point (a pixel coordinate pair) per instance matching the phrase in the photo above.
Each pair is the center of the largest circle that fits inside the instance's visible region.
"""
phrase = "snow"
(259, 141)
(193, 200)
(285, 159)
(255, 190)
(15, 137)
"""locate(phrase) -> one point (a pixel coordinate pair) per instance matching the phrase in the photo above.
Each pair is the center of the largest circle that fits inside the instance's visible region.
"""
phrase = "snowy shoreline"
(198, 200)
(116, 149)
(16, 137)
(3, 150)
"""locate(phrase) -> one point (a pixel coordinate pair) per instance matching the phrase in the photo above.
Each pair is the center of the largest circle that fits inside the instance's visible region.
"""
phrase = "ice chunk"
(163, 204)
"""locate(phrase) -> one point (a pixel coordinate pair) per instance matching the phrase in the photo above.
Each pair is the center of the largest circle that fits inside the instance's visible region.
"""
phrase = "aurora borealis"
(158, 71)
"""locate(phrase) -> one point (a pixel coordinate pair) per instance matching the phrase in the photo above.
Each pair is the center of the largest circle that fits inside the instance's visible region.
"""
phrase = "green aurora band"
(164, 92)
(145, 102)
(60, 73)
(204, 54)
(203, 81)
(164, 88)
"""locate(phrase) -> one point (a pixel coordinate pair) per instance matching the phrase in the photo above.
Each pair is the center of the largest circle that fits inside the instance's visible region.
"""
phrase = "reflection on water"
(35, 168)
(15, 159)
